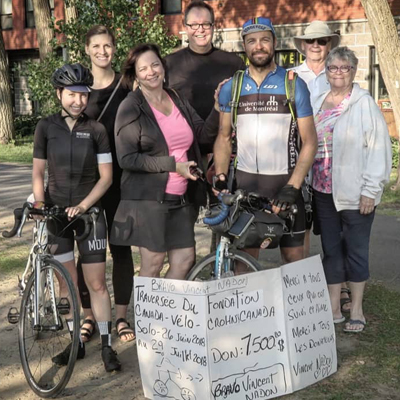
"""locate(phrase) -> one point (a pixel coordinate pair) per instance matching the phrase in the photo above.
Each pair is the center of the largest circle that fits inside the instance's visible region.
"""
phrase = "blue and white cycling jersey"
(266, 134)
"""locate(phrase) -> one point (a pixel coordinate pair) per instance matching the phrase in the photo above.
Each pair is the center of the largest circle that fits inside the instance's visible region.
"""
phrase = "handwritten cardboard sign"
(254, 336)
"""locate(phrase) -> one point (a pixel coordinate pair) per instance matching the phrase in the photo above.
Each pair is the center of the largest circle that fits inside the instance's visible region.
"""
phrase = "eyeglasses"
(206, 26)
(343, 68)
(320, 41)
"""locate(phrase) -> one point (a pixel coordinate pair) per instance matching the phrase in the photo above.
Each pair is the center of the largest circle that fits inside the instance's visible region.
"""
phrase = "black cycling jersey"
(72, 156)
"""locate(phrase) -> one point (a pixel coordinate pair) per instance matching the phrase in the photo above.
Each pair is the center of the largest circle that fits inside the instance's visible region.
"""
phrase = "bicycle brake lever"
(23, 220)
(94, 220)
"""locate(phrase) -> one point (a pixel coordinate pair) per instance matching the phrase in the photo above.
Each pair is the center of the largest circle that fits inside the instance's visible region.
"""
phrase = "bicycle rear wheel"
(239, 260)
(39, 344)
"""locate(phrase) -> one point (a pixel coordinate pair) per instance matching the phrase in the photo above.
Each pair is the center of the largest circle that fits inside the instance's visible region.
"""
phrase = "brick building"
(290, 19)
(19, 34)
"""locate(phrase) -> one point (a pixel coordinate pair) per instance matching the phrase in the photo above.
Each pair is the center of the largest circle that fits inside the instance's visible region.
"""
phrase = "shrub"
(25, 125)
(132, 23)
(395, 152)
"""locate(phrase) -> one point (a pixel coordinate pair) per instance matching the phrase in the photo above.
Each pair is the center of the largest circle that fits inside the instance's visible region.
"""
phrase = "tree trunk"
(70, 11)
(6, 112)
(71, 14)
(387, 44)
(42, 14)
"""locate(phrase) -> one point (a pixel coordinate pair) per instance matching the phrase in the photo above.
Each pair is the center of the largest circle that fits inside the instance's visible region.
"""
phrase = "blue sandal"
(353, 322)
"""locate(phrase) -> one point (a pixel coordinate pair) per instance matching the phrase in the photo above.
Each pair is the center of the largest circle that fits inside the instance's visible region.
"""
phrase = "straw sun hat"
(316, 30)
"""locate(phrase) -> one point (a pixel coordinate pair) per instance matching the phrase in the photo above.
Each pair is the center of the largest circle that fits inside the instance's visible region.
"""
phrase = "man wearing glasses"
(196, 70)
(315, 44)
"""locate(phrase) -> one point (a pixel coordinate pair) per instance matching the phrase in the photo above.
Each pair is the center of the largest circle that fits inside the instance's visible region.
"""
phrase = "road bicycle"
(49, 299)
(243, 220)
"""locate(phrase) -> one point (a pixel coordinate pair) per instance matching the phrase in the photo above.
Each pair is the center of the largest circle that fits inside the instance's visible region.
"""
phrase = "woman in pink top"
(157, 136)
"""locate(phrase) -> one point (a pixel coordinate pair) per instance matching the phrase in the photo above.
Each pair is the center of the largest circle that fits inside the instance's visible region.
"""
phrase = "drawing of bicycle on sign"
(167, 383)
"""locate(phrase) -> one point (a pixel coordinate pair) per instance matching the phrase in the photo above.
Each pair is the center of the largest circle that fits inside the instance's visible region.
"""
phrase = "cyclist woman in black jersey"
(79, 161)
(107, 92)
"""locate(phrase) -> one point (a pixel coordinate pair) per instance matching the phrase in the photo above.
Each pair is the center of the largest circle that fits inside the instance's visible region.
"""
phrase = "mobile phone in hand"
(197, 172)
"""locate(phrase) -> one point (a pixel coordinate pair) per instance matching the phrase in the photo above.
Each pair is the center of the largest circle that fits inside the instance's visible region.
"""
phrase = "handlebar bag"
(265, 231)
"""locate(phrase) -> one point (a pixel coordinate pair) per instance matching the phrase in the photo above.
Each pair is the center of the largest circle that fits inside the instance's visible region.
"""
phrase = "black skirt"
(156, 226)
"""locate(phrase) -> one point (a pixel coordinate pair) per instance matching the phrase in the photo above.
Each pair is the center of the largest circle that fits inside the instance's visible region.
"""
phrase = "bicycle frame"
(222, 266)
(38, 252)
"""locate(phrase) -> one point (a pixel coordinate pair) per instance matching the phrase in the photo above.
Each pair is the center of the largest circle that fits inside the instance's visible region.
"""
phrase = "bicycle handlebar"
(18, 212)
(221, 216)
(27, 210)
(228, 200)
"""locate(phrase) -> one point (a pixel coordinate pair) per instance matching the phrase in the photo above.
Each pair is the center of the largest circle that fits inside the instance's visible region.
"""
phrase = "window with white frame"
(6, 21)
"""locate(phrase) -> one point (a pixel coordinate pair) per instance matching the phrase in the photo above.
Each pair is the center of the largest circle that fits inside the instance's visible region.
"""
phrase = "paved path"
(15, 186)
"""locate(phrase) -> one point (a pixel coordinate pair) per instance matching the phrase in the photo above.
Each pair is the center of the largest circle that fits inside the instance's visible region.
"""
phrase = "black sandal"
(345, 300)
(125, 331)
(87, 332)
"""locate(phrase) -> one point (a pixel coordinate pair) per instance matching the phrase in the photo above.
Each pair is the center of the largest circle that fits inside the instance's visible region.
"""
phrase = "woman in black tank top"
(100, 47)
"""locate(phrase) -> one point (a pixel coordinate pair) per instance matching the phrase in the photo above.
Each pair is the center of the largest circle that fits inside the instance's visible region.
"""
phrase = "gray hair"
(342, 53)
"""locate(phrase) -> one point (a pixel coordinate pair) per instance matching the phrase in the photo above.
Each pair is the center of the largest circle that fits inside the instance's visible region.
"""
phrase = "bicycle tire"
(38, 346)
(204, 269)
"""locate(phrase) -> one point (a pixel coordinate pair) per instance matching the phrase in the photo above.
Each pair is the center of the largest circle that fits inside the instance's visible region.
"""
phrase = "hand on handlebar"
(285, 199)
(39, 205)
(75, 211)
(220, 184)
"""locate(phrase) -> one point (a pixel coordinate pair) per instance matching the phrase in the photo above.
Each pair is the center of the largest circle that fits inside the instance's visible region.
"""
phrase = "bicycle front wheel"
(238, 262)
(39, 343)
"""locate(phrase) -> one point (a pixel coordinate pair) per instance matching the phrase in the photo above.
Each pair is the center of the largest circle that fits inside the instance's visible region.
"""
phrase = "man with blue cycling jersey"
(270, 159)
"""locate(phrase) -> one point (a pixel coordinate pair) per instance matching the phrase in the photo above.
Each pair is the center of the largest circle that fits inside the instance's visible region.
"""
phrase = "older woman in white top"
(352, 165)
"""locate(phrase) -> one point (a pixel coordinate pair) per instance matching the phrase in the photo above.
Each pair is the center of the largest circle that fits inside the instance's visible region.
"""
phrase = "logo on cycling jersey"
(272, 102)
(82, 135)
(270, 87)
(99, 244)
(248, 87)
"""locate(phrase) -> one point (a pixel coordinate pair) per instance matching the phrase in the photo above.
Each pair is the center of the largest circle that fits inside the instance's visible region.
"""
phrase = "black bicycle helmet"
(72, 75)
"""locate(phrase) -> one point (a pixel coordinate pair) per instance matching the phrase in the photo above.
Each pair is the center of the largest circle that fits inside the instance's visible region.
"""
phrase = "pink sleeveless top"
(179, 138)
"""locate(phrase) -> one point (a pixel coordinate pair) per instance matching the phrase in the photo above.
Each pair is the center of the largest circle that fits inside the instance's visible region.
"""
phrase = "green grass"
(17, 154)
(13, 256)
(370, 361)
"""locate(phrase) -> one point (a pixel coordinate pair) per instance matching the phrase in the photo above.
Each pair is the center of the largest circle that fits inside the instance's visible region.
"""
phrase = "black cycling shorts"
(90, 249)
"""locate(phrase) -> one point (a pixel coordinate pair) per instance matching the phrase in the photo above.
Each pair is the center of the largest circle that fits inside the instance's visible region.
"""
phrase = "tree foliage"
(131, 22)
